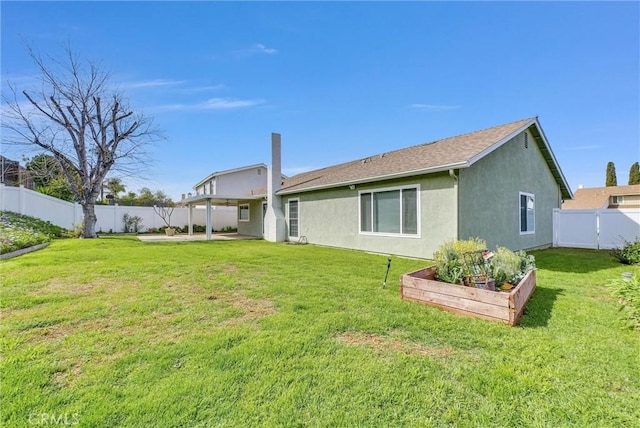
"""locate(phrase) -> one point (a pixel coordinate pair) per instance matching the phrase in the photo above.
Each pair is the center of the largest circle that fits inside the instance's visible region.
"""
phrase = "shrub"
(131, 223)
(629, 254)
(627, 290)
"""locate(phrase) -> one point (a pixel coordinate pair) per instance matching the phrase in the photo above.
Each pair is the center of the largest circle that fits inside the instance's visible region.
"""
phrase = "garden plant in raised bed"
(468, 262)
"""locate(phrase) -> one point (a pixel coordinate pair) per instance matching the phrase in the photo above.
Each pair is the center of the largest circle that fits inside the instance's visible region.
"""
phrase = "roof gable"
(449, 153)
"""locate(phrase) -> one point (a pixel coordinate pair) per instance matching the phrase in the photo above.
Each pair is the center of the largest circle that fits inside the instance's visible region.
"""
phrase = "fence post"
(555, 227)
(597, 229)
(21, 200)
(115, 218)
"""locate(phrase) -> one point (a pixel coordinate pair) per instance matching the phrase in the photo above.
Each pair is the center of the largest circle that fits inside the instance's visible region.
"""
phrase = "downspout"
(453, 175)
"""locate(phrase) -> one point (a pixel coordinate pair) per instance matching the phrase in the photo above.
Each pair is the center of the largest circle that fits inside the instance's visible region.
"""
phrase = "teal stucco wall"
(331, 217)
(489, 196)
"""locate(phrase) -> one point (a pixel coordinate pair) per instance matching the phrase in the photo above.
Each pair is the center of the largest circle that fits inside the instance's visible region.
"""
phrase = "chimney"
(274, 221)
(276, 163)
(580, 186)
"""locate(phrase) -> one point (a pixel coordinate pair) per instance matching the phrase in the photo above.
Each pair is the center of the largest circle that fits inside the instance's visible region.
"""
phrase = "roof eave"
(441, 168)
(220, 198)
(554, 166)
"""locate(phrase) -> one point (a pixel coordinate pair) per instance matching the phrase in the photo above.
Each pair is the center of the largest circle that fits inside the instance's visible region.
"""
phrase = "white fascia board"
(500, 143)
(553, 157)
(412, 173)
(220, 198)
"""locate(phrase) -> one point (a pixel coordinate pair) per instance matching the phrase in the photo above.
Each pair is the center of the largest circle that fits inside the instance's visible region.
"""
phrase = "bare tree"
(83, 122)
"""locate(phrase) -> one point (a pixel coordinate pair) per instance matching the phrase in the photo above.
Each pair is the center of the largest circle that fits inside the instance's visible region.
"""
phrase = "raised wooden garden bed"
(502, 306)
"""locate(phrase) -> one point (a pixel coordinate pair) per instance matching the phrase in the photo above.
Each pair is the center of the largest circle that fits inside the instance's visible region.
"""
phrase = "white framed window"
(293, 216)
(392, 211)
(243, 212)
(617, 200)
(527, 213)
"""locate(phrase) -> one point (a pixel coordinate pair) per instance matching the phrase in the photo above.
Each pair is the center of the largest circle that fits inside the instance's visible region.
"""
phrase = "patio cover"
(216, 200)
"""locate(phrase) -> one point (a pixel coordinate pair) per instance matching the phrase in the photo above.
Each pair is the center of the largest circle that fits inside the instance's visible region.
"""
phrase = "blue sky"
(342, 81)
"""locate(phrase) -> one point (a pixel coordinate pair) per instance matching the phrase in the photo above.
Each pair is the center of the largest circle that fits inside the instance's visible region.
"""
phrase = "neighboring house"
(500, 184)
(604, 197)
(14, 174)
(232, 189)
(238, 181)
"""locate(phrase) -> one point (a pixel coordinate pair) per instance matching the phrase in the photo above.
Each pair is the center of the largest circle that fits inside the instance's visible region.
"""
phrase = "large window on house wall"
(527, 213)
(293, 214)
(390, 211)
(243, 212)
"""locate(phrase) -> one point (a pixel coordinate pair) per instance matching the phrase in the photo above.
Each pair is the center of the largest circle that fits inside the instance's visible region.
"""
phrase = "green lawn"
(115, 332)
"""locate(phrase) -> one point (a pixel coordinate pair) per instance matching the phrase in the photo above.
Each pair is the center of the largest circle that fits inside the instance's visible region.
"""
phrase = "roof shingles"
(453, 151)
(598, 197)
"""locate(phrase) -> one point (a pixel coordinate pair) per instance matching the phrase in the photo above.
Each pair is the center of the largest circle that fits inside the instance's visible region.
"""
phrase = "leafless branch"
(81, 122)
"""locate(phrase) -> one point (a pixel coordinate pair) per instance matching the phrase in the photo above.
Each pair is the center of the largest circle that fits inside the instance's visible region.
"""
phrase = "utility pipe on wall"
(453, 175)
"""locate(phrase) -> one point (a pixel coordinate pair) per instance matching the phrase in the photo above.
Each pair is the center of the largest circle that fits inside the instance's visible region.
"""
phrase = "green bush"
(629, 254)
(627, 290)
(131, 223)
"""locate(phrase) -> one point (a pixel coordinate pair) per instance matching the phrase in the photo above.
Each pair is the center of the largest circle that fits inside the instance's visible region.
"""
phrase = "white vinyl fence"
(68, 214)
(599, 229)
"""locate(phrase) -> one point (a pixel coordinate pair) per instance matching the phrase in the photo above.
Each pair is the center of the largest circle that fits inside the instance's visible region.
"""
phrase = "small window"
(243, 212)
(526, 140)
(294, 218)
(527, 213)
(617, 200)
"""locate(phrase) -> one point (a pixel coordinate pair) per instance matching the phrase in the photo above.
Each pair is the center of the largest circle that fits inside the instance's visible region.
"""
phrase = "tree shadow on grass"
(539, 309)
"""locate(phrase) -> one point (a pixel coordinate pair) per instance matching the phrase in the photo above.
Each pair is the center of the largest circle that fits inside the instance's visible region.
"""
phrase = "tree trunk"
(90, 219)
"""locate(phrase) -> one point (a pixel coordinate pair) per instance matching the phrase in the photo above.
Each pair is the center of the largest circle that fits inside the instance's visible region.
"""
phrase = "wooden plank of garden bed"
(424, 280)
(520, 295)
(506, 307)
(461, 304)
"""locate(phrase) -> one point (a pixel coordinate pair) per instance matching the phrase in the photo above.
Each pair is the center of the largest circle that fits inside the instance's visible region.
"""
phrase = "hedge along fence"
(67, 214)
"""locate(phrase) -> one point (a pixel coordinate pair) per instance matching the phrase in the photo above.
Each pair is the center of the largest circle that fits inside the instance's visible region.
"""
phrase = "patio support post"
(190, 218)
(208, 219)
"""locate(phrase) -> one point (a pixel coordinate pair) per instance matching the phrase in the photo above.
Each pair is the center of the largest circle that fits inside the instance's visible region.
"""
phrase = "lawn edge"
(23, 251)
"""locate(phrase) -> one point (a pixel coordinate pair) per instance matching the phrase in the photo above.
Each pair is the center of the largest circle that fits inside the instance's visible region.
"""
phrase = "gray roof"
(449, 153)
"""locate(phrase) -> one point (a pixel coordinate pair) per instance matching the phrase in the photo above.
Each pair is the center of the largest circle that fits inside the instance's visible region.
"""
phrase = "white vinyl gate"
(598, 229)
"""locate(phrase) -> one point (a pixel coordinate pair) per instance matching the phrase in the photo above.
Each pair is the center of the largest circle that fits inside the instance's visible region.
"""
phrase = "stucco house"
(614, 197)
(500, 183)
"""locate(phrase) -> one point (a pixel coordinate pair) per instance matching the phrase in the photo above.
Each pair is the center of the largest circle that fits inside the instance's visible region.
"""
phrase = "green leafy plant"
(629, 254)
(627, 290)
(19, 231)
(131, 223)
(465, 261)
(507, 265)
(451, 265)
